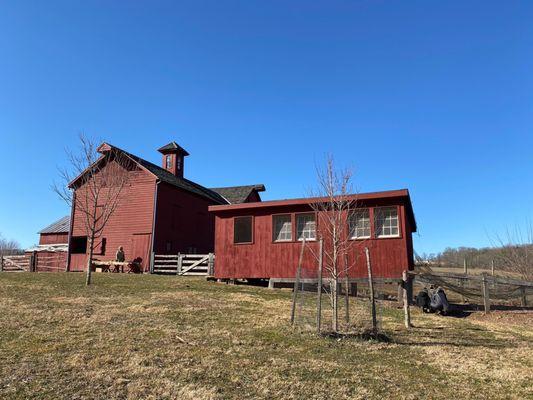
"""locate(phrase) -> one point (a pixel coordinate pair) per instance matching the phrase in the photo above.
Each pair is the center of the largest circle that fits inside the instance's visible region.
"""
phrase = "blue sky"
(427, 95)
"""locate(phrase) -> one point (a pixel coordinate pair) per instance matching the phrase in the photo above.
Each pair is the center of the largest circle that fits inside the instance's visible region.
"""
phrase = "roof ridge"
(172, 179)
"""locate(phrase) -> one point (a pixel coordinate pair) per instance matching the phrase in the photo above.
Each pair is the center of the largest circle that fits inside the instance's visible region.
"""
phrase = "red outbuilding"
(263, 240)
(51, 253)
(161, 211)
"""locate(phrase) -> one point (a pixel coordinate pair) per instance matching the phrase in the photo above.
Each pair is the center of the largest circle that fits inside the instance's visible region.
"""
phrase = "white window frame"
(274, 228)
(352, 216)
(297, 226)
(168, 161)
(377, 211)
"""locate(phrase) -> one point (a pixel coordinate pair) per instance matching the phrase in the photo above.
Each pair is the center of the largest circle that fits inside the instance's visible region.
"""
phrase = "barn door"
(140, 249)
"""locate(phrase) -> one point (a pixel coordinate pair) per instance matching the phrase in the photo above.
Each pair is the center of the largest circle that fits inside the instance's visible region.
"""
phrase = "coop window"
(282, 228)
(306, 226)
(386, 219)
(168, 161)
(360, 224)
(242, 230)
(78, 245)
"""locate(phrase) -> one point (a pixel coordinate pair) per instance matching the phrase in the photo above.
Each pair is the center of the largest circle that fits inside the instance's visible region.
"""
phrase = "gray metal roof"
(235, 193)
(60, 226)
(173, 146)
(238, 194)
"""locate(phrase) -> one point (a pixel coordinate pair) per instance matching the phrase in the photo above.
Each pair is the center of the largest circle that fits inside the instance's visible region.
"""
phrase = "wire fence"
(353, 316)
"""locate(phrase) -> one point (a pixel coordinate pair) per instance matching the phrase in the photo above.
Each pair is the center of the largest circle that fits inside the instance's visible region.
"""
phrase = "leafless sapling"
(94, 185)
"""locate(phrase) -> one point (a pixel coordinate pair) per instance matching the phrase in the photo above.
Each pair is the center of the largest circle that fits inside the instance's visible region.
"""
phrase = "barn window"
(168, 161)
(306, 226)
(78, 245)
(242, 230)
(359, 224)
(386, 219)
(282, 228)
(178, 162)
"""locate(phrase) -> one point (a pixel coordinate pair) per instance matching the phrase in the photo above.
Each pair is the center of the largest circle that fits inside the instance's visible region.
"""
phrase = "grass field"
(133, 336)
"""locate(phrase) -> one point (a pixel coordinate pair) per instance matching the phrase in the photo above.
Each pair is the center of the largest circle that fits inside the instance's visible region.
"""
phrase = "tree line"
(9, 246)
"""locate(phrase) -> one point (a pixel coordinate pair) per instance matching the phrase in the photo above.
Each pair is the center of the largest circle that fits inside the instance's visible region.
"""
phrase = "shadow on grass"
(366, 335)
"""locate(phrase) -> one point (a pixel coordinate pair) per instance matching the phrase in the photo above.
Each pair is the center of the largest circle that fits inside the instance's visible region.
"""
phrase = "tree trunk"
(335, 303)
(90, 261)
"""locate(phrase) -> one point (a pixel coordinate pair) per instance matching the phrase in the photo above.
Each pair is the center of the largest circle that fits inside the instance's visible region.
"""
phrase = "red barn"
(162, 211)
(51, 253)
(263, 240)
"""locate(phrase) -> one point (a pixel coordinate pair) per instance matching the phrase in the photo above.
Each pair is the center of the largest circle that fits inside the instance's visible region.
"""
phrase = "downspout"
(70, 230)
(153, 225)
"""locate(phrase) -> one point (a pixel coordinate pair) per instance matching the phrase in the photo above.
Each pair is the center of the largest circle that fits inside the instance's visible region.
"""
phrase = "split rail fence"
(183, 264)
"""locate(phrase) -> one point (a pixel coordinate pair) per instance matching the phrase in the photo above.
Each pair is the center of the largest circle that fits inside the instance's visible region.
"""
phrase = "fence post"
(485, 290)
(492, 266)
(319, 288)
(33, 259)
(1, 263)
(524, 297)
(465, 267)
(347, 290)
(180, 264)
(152, 262)
(406, 310)
(210, 265)
(297, 282)
(371, 289)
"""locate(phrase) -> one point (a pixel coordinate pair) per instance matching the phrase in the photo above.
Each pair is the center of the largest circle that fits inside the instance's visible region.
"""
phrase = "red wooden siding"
(182, 222)
(133, 217)
(265, 258)
(53, 238)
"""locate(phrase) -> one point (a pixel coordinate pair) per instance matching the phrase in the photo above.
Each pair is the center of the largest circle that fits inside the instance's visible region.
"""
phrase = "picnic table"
(117, 266)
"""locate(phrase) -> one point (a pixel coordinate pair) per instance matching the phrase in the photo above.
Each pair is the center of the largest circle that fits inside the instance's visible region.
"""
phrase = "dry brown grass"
(152, 337)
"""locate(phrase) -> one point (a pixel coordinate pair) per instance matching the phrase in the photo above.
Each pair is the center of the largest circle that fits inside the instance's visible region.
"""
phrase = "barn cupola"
(173, 158)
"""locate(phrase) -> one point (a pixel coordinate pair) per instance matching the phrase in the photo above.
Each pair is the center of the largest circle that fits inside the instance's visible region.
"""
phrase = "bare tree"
(516, 251)
(94, 185)
(8, 246)
(336, 205)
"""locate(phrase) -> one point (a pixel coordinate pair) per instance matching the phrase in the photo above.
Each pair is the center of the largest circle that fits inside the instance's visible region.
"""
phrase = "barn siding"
(53, 238)
(134, 216)
(183, 221)
(267, 259)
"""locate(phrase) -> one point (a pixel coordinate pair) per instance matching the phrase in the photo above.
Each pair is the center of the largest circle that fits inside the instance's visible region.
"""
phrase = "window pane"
(242, 230)
(282, 227)
(306, 226)
(359, 224)
(386, 219)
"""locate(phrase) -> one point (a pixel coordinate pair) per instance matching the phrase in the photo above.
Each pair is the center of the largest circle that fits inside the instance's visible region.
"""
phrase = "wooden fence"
(183, 264)
(19, 263)
(34, 262)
